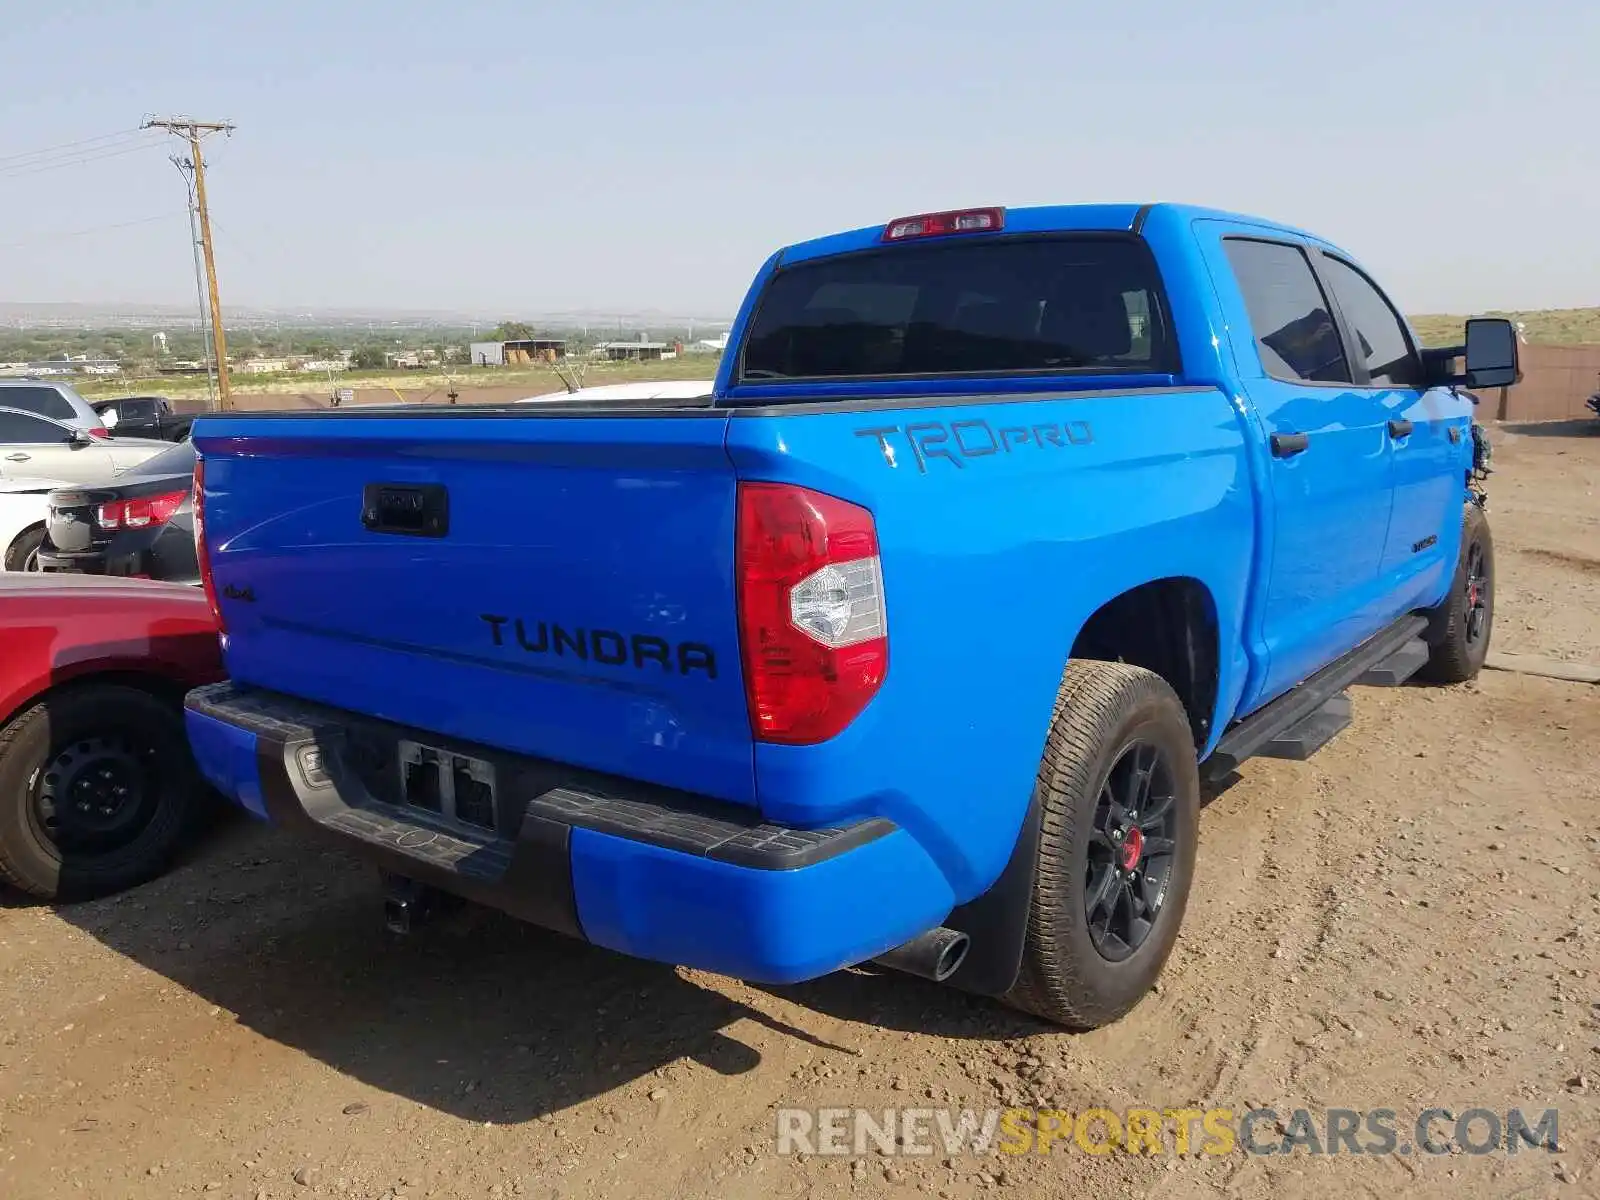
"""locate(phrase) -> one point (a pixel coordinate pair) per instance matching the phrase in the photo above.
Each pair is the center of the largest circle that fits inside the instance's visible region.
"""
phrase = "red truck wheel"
(97, 787)
(1119, 796)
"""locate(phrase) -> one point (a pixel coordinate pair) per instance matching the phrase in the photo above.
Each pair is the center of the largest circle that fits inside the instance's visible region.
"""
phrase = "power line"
(66, 234)
(22, 170)
(51, 151)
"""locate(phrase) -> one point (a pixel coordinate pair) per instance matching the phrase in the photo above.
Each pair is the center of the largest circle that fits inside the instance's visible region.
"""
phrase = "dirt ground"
(1411, 919)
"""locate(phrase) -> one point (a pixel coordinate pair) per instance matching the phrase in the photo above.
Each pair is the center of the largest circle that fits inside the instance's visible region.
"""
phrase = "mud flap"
(997, 921)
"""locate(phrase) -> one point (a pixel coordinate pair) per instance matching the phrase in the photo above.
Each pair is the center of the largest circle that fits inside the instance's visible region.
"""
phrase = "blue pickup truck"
(914, 641)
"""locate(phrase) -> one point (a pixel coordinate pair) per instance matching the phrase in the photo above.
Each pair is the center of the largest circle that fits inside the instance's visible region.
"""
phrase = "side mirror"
(1491, 353)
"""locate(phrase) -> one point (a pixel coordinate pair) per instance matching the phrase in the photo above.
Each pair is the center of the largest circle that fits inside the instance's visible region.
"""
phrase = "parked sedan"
(140, 524)
(33, 447)
(23, 506)
(97, 784)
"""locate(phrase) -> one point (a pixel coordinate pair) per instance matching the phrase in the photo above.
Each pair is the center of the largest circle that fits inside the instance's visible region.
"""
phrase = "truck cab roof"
(1045, 218)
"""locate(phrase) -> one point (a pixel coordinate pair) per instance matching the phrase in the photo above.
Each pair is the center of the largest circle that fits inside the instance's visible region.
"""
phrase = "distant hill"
(1550, 326)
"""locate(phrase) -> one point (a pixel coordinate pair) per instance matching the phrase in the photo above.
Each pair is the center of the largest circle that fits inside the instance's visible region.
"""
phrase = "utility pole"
(192, 131)
(186, 169)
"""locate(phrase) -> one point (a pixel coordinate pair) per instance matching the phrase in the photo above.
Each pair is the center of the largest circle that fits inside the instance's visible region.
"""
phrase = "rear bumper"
(646, 871)
(165, 552)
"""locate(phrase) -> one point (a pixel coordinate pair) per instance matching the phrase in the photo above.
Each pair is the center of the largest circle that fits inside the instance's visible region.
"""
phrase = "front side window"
(1289, 316)
(997, 306)
(21, 429)
(1380, 336)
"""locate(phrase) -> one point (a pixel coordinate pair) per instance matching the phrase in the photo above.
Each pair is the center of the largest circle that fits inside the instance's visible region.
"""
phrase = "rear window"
(1016, 305)
(45, 401)
(175, 461)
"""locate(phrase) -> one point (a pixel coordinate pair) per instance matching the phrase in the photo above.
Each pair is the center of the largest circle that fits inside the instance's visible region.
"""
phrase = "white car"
(34, 447)
(674, 389)
(22, 513)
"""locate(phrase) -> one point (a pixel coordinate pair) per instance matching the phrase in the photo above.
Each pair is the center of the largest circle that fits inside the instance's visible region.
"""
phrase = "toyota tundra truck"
(913, 641)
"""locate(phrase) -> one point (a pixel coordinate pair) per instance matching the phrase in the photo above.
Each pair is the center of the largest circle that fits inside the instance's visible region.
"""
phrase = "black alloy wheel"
(1131, 850)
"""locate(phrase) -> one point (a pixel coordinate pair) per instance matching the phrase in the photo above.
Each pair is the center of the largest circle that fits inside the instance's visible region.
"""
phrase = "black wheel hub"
(1131, 850)
(96, 792)
(1477, 594)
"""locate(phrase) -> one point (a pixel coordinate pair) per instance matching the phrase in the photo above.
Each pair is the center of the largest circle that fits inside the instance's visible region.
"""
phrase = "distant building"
(321, 365)
(521, 351)
(80, 364)
(640, 351)
(261, 366)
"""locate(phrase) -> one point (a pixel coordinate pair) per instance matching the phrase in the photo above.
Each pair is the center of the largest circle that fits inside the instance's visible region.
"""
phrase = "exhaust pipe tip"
(936, 955)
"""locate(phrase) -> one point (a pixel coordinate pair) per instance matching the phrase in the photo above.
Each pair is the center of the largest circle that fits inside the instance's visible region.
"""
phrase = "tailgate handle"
(413, 509)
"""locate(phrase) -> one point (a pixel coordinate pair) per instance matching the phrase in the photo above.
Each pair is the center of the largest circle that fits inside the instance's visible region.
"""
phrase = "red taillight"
(201, 556)
(812, 625)
(100, 431)
(140, 513)
(960, 220)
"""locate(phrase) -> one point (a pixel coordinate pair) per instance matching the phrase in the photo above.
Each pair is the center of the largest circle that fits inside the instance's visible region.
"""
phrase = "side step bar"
(1303, 739)
(1253, 735)
(1398, 667)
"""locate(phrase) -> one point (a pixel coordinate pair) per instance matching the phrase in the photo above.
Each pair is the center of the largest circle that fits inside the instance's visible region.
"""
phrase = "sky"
(516, 158)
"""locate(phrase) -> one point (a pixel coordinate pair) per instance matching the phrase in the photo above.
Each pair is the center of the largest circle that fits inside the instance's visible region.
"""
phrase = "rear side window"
(1289, 315)
(177, 461)
(19, 428)
(1380, 336)
(45, 401)
(1041, 305)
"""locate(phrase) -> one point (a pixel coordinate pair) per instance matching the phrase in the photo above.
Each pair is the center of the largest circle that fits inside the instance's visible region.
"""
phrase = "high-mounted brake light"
(960, 220)
(812, 627)
(140, 513)
(202, 556)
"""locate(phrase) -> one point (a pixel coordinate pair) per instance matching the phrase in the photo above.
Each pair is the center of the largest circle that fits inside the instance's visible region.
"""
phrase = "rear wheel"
(1459, 628)
(23, 553)
(1119, 801)
(97, 789)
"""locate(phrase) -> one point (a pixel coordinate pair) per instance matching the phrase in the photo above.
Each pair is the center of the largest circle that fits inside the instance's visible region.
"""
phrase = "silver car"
(58, 401)
(33, 447)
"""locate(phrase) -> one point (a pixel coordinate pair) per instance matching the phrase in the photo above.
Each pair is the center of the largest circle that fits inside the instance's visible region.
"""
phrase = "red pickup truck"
(97, 785)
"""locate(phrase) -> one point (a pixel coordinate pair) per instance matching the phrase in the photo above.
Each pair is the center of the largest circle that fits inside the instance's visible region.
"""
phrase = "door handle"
(1400, 429)
(18, 457)
(1287, 445)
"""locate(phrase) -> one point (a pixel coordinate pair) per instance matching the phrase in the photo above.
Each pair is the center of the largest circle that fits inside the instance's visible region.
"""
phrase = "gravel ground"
(1410, 919)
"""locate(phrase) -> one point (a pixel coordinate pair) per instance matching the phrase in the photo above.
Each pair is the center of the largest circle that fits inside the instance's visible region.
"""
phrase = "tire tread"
(1090, 702)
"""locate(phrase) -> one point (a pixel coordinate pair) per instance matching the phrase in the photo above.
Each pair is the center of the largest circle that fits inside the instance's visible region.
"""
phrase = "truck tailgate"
(551, 584)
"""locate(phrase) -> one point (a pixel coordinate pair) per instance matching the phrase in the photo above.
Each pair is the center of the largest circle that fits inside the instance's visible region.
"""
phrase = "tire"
(97, 790)
(1459, 629)
(23, 554)
(1110, 720)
